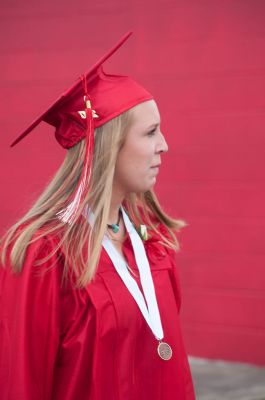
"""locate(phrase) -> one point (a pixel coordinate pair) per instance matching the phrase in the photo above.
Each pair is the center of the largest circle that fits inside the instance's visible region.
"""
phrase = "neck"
(115, 205)
(116, 202)
(114, 213)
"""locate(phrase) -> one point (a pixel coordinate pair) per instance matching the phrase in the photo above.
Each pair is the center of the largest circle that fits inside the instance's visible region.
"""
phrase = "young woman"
(89, 288)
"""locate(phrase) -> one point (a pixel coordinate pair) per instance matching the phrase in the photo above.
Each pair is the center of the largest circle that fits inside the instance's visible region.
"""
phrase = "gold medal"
(164, 351)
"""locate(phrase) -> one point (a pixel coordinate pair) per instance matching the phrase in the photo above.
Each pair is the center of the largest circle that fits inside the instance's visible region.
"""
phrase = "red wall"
(205, 63)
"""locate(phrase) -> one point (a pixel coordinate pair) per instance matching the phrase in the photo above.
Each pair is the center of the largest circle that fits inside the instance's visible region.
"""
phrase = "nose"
(162, 146)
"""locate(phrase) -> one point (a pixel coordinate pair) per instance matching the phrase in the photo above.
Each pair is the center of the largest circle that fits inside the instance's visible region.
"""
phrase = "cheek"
(128, 168)
(134, 175)
(133, 168)
(135, 155)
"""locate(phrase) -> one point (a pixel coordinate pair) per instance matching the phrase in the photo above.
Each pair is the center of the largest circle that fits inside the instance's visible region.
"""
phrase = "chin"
(149, 187)
(144, 188)
(152, 184)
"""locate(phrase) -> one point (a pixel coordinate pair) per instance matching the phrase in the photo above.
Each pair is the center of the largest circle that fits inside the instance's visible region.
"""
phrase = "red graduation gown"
(62, 343)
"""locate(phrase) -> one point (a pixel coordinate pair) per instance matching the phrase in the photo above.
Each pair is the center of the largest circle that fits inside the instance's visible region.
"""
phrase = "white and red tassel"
(67, 215)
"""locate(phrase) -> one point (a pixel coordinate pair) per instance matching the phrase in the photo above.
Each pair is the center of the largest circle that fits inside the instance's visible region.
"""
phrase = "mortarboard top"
(110, 96)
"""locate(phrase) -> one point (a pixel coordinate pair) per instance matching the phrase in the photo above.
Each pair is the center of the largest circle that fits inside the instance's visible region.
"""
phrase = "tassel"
(67, 215)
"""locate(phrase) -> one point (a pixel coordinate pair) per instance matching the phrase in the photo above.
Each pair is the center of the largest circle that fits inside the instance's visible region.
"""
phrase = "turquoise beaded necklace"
(115, 227)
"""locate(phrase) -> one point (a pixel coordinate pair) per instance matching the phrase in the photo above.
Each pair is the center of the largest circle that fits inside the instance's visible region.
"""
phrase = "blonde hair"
(42, 219)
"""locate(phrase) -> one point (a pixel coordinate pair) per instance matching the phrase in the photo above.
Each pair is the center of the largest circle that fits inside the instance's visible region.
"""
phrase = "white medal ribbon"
(150, 311)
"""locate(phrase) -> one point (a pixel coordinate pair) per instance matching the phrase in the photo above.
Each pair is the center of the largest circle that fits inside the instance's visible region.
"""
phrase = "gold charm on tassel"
(83, 114)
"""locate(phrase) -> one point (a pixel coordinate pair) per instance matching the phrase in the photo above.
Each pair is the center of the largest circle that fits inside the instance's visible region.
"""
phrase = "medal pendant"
(164, 351)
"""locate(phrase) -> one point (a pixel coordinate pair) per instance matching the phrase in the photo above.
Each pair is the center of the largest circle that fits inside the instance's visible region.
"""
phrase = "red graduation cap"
(92, 101)
(108, 95)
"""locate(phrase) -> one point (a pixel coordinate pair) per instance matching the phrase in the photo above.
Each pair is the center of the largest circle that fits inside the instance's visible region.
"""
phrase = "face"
(139, 159)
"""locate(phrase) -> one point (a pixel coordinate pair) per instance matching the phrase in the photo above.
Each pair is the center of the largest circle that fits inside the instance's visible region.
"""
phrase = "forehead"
(145, 114)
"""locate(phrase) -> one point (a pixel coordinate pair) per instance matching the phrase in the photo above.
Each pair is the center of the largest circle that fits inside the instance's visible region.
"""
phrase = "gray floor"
(216, 380)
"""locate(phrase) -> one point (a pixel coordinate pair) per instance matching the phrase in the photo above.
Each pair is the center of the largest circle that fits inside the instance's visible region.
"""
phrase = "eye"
(152, 132)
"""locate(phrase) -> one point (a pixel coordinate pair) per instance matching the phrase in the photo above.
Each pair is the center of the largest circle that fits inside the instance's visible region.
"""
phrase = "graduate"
(89, 287)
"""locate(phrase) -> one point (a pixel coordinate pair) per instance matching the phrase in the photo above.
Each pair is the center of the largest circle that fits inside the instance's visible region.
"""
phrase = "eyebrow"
(154, 125)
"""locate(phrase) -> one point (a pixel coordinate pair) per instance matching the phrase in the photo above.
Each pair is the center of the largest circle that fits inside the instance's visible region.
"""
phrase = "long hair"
(81, 245)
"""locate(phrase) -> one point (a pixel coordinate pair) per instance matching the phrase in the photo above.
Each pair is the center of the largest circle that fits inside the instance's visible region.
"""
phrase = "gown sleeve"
(29, 325)
(174, 274)
(175, 281)
(42, 325)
